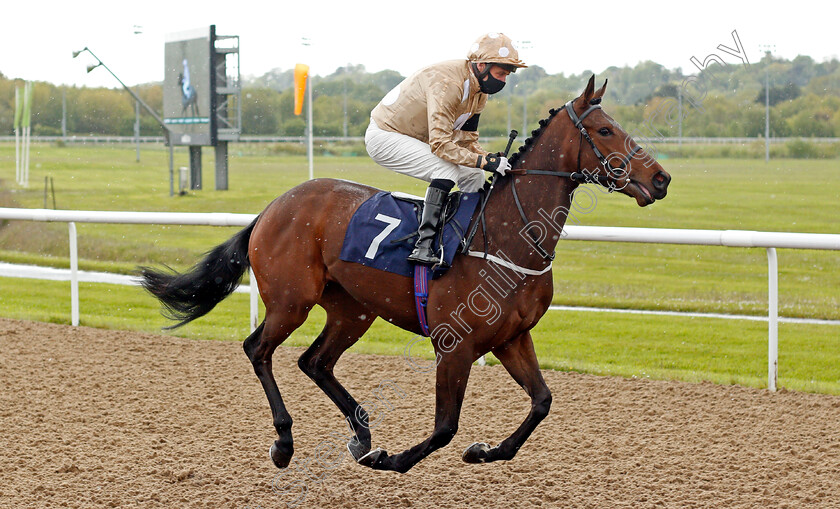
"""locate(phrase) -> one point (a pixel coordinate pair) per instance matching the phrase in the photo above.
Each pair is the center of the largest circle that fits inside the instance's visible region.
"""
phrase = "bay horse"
(293, 248)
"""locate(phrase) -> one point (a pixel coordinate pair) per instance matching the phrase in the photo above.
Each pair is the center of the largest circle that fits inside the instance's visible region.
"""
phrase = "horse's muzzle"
(660, 181)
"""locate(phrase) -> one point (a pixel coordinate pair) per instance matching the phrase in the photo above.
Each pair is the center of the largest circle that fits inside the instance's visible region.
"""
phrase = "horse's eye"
(604, 131)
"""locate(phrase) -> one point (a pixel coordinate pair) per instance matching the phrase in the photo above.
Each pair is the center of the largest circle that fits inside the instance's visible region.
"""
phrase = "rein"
(580, 177)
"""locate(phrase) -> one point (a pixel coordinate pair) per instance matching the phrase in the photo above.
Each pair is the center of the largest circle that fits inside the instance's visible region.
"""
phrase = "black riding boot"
(435, 199)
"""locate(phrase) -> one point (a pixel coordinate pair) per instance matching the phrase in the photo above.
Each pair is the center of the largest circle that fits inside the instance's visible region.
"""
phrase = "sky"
(569, 37)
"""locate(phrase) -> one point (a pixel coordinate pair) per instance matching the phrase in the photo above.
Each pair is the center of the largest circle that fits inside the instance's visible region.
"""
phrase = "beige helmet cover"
(495, 48)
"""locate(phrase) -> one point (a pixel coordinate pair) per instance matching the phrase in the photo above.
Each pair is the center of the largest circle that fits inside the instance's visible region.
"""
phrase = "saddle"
(381, 232)
(453, 201)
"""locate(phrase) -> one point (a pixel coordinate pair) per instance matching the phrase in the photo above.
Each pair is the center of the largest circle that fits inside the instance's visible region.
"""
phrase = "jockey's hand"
(496, 163)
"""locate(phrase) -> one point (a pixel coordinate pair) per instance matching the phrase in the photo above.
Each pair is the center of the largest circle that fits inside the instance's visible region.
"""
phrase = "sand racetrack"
(98, 418)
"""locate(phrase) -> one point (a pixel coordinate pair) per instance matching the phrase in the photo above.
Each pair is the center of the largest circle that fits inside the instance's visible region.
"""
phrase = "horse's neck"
(544, 199)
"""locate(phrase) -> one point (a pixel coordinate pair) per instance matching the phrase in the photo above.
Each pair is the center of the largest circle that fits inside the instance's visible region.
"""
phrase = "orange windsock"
(301, 73)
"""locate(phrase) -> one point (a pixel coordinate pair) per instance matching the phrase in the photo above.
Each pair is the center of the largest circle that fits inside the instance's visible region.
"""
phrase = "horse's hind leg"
(347, 321)
(259, 347)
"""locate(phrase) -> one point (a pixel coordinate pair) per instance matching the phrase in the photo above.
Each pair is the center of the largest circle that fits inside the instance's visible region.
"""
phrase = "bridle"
(587, 176)
(579, 176)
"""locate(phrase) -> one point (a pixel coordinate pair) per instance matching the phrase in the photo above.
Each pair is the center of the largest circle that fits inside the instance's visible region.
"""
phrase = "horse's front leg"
(519, 359)
(453, 370)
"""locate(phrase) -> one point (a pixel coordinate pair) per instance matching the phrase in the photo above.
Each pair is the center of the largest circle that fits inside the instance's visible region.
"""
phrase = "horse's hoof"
(357, 449)
(373, 459)
(476, 453)
(280, 459)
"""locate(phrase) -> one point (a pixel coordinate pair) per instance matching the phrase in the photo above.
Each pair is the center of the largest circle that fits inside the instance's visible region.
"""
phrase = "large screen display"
(188, 88)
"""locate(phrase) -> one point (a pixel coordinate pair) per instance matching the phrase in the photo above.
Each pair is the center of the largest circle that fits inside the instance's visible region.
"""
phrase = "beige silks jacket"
(435, 105)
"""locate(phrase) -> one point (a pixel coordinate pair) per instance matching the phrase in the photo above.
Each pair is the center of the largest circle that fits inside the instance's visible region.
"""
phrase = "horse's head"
(608, 155)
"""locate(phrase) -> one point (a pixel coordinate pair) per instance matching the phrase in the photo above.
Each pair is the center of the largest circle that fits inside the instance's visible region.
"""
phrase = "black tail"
(194, 293)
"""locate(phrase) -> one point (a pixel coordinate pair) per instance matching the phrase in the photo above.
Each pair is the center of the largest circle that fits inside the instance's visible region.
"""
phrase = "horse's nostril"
(661, 180)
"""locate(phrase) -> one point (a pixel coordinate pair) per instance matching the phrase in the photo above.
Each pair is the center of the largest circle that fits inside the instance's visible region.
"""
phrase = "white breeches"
(410, 156)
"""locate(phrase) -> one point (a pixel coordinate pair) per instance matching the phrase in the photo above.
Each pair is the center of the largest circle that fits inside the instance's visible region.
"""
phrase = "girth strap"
(421, 296)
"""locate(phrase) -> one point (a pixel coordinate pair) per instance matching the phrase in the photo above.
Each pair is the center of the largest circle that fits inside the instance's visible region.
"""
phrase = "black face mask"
(491, 85)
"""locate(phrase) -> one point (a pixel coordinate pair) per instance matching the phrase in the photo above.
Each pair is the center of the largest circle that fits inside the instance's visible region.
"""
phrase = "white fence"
(77, 139)
(730, 238)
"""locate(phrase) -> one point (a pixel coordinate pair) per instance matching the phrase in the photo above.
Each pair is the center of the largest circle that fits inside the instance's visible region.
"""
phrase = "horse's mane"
(535, 134)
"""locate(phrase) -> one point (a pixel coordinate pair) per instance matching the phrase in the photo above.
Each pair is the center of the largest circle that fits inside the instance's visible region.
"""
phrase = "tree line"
(804, 98)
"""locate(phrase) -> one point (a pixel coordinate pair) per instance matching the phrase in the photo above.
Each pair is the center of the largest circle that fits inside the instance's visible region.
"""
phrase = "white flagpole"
(17, 135)
(27, 99)
(17, 156)
(309, 151)
(27, 131)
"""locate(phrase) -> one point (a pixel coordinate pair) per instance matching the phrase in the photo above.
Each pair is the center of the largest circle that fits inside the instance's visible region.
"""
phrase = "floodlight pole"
(345, 103)
(135, 96)
(137, 128)
(768, 48)
(64, 113)
(526, 45)
(146, 107)
(679, 129)
(524, 111)
(766, 116)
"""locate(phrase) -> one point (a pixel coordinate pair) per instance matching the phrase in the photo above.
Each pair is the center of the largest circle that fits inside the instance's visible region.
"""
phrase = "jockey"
(427, 127)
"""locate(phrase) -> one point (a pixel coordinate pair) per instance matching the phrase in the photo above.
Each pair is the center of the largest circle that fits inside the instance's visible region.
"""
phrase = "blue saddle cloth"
(382, 232)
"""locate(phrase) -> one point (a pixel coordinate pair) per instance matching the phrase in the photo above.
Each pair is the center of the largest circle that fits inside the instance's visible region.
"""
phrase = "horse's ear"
(600, 93)
(590, 90)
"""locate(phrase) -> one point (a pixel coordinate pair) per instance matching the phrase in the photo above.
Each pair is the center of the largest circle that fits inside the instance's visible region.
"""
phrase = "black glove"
(496, 163)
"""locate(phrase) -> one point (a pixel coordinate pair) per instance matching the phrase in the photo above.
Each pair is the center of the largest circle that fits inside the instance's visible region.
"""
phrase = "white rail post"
(74, 276)
(773, 319)
(255, 306)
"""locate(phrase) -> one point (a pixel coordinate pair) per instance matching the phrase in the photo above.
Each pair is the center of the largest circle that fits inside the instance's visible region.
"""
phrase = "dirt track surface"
(97, 418)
